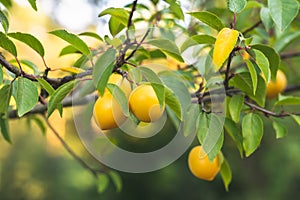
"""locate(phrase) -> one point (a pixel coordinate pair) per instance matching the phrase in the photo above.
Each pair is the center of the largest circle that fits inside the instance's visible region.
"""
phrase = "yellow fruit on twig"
(274, 88)
(144, 104)
(201, 166)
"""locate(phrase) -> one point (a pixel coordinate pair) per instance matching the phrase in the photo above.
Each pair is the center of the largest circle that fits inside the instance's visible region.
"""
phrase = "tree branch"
(252, 27)
(289, 55)
(71, 152)
(67, 102)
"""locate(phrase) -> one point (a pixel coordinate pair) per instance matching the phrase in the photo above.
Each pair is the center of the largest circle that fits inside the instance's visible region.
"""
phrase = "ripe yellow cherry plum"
(277, 86)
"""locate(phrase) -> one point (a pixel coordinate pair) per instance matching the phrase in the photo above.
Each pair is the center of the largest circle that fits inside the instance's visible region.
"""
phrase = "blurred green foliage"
(31, 170)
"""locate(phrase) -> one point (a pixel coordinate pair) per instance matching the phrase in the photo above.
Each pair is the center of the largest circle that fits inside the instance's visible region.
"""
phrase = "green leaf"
(1, 75)
(59, 95)
(4, 127)
(103, 68)
(263, 64)
(39, 123)
(175, 9)
(115, 26)
(167, 46)
(202, 126)
(33, 4)
(208, 18)
(72, 39)
(296, 119)
(243, 82)
(102, 182)
(235, 107)
(70, 49)
(4, 21)
(284, 40)
(236, 6)
(253, 74)
(280, 129)
(190, 119)
(196, 40)
(272, 56)
(155, 82)
(6, 3)
(30, 65)
(283, 12)
(172, 101)
(7, 44)
(116, 179)
(91, 34)
(27, 96)
(46, 86)
(118, 13)
(252, 129)
(5, 94)
(266, 18)
(214, 138)
(120, 97)
(287, 100)
(235, 133)
(29, 40)
(226, 174)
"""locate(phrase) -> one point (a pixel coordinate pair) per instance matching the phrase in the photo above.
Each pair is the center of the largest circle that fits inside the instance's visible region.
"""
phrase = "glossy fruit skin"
(200, 165)
(108, 113)
(274, 88)
(144, 104)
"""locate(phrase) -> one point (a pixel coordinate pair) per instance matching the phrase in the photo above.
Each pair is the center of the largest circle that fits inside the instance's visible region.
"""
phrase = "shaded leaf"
(102, 69)
(116, 179)
(253, 74)
(190, 120)
(119, 13)
(283, 12)
(235, 107)
(280, 129)
(4, 21)
(208, 18)
(196, 40)
(272, 56)
(287, 100)
(115, 26)
(7, 44)
(1, 75)
(168, 46)
(91, 34)
(68, 50)
(5, 94)
(286, 39)
(226, 174)
(120, 97)
(252, 129)
(266, 18)
(29, 40)
(235, 133)
(102, 182)
(4, 127)
(172, 101)
(59, 95)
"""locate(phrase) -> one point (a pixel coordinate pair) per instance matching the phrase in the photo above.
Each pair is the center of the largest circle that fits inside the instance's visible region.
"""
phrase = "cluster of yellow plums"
(143, 103)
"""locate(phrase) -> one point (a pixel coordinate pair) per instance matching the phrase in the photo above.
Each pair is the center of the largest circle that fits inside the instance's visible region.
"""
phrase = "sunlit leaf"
(196, 40)
(253, 74)
(29, 40)
(50, 90)
(116, 179)
(287, 100)
(73, 70)
(33, 4)
(91, 34)
(27, 96)
(280, 129)
(73, 40)
(266, 18)
(284, 40)
(119, 13)
(235, 107)
(4, 21)
(103, 182)
(120, 97)
(172, 101)
(190, 120)
(226, 174)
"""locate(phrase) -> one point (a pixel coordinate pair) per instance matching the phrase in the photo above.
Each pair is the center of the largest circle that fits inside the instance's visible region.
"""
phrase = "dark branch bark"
(252, 27)
(289, 55)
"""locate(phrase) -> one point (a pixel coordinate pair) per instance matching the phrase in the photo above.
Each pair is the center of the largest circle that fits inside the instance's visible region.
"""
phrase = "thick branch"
(289, 55)
(68, 102)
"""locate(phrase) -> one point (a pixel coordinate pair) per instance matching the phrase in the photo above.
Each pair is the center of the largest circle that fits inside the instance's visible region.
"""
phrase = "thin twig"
(138, 45)
(289, 55)
(252, 27)
(70, 151)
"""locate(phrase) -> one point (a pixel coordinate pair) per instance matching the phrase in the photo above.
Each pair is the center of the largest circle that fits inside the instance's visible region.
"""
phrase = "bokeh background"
(36, 166)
